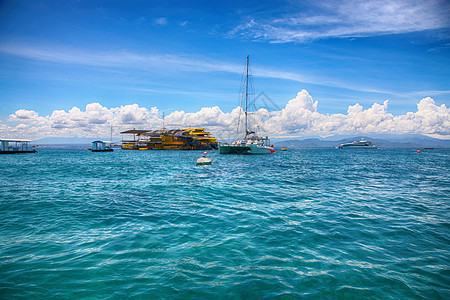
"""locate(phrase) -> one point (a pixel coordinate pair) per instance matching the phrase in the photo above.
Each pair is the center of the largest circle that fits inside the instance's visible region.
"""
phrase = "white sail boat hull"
(257, 149)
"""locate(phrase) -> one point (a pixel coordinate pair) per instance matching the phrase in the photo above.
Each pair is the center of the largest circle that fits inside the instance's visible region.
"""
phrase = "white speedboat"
(250, 143)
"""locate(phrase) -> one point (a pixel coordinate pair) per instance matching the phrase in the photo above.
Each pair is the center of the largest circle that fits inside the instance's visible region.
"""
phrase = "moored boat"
(358, 144)
(170, 139)
(12, 146)
(101, 146)
(250, 143)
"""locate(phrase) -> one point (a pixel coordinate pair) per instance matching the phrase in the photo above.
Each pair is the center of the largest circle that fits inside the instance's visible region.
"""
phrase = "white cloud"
(94, 121)
(300, 117)
(116, 58)
(161, 21)
(350, 18)
(23, 114)
(145, 62)
(131, 114)
(27, 116)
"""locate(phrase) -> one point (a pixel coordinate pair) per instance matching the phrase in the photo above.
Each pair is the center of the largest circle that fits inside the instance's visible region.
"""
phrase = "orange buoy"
(418, 151)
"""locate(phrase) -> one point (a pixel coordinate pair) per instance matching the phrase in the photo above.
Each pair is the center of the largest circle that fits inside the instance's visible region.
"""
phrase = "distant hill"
(388, 141)
(306, 143)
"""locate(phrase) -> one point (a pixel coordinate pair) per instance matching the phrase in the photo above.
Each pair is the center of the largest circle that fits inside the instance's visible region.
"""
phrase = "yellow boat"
(173, 139)
(128, 146)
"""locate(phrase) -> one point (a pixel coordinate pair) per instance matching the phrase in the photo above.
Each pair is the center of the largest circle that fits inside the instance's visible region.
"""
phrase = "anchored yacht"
(251, 143)
(358, 144)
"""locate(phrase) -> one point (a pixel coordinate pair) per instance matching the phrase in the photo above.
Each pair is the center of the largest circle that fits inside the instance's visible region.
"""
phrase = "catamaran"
(251, 143)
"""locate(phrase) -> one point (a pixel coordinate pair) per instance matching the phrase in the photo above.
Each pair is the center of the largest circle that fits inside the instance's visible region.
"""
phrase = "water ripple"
(297, 224)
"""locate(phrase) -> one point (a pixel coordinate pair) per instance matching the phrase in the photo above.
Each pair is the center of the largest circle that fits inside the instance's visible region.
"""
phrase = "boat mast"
(246, 96)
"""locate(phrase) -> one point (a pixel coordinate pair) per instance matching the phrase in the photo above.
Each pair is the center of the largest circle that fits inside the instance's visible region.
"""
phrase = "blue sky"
(187, 55)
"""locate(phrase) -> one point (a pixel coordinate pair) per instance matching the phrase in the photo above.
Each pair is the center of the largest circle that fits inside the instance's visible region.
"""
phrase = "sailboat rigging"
(251, 143)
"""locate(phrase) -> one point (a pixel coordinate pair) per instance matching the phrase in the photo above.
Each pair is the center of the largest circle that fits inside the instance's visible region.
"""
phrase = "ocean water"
(307, 224)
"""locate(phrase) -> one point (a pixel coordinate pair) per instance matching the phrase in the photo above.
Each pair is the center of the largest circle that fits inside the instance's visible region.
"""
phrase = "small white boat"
(204, 160)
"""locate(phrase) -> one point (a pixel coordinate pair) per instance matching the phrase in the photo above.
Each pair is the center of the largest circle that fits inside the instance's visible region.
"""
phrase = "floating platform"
(14, 146)
(172, 139)
(101, 146)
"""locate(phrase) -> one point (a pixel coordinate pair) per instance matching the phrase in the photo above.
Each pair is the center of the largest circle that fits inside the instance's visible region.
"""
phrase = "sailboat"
(251, 143)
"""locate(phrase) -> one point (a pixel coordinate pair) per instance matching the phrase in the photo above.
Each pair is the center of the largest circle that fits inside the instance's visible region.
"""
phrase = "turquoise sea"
(306, 224)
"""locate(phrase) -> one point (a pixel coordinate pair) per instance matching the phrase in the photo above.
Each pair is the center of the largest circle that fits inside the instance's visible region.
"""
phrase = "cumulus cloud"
(94, 121)
(300, 117)
(27, 116)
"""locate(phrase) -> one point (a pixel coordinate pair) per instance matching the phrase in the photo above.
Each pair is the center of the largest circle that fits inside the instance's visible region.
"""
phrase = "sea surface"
(298, 224)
